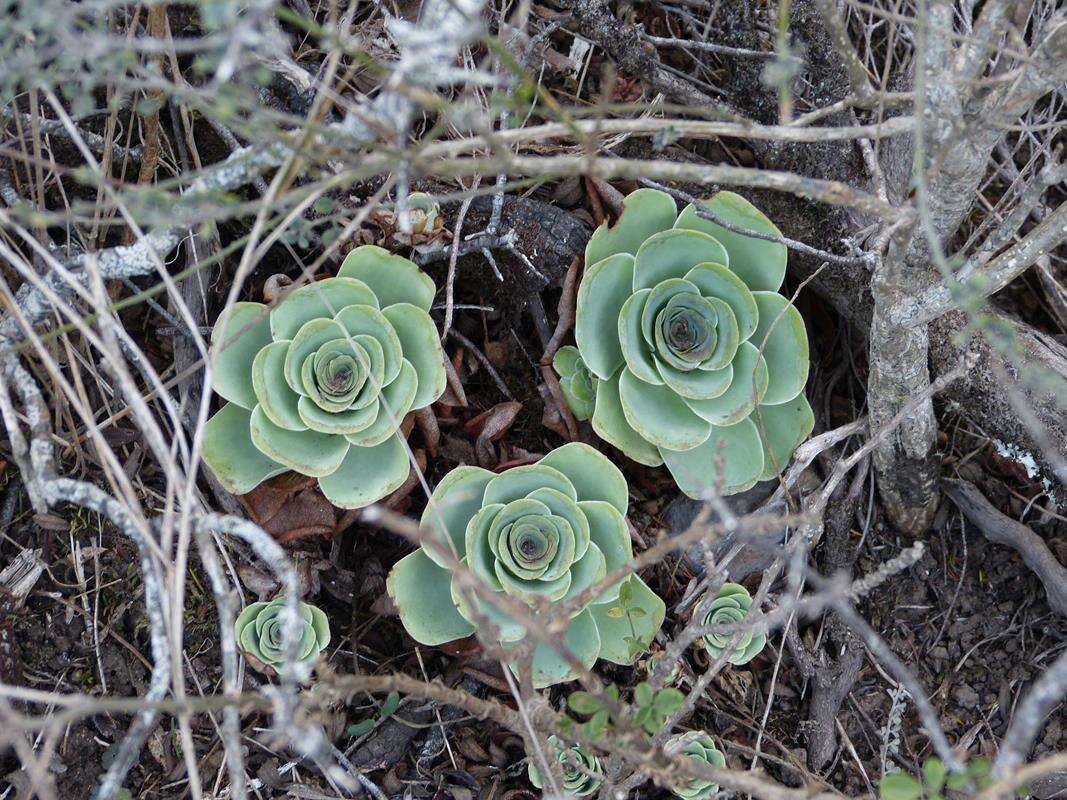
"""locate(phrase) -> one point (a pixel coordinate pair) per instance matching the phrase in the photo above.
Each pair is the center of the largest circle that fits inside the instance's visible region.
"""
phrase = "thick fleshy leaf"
(695, 470)
(605, 286)
(480, 556)
(783, 340)
(645, 212)
(594, 476)
(782, 428)
(575, 381)
(747, 386)
(315, 300)
(394, 404)
(582, 640)
(311, 336)
(636, 350)
(340, 423)
(716, 280)
(421, 591)
(393, 278)
(422, 347)
(614, 630)
(672, 253)
(308, 452)
(659, 415)
(697, 384)
(517, 482)
(453, 503)
(563, 505)
(228, 450)
(610, 424)
(234, 349)
(758, 262)
(586, 571)
(369, 321)
(728, 337)
(367, 474)
(607, 529)
(276, 397)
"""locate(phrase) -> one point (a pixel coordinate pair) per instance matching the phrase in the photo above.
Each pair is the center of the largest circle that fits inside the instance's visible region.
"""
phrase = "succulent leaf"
(575, 381)
(645, 212)
(392, 278)
(693, 345)
(327, 379)
(228, 449)
(758, 262)
(782, 428)
(544, 531)
(234, 348)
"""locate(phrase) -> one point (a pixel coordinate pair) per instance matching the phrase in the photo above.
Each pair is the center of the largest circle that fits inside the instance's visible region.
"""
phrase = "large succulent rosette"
(545, 531)
(320, 383)
(729, 607)
(696, 356)
(700, 747)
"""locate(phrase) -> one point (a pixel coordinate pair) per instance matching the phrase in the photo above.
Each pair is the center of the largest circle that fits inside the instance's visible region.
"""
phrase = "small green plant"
(540, 532)
(389, 707)
(320, 383)
(729, 607)
(698, 746)
(651, 708)
(691, 351)
(580, 768)
(259, 629)
(936, 781)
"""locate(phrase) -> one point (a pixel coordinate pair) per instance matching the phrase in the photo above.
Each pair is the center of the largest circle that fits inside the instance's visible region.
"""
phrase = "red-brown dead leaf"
(489, 427)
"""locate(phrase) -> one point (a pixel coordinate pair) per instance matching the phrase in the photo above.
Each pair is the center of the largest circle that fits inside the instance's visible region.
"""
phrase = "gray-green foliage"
(937, 782)
(320, 383)
(692, 352)
(729, 607)
(259, 630)
(580, 768)
(541, 532)
(698, 746)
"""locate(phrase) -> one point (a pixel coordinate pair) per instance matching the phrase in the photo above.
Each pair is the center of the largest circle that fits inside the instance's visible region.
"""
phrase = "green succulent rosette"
(729, 607)
(575, 381)
(580, 768)
(320, 383)
(549, 531)
(700, 747)
(692, 350)
(259, 628)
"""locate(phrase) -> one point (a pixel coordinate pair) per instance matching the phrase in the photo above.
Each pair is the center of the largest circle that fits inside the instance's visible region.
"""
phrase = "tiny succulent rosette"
(691, 350)
(320, 383)
(575, 381)
(730, 606)
(544, 531)
(700, 747)
(580, 768)
(260, 626)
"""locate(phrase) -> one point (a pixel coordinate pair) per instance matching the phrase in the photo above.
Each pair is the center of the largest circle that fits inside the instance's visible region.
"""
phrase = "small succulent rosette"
(692, 353)
(730, 606)
(700, 747)
(575, 381)
(259, 631)
(320, 383)
(580, 768)
(541, 532)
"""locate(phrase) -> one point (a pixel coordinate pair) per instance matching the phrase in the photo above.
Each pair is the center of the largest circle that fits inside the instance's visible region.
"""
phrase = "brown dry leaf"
(735, 684)
(551, 417)
(290, 507)
(490, 426)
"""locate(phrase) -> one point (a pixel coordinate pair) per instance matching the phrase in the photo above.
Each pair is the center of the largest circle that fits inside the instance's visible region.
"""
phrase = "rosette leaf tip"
(695, 361)
(542, 534)
(321, 382)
